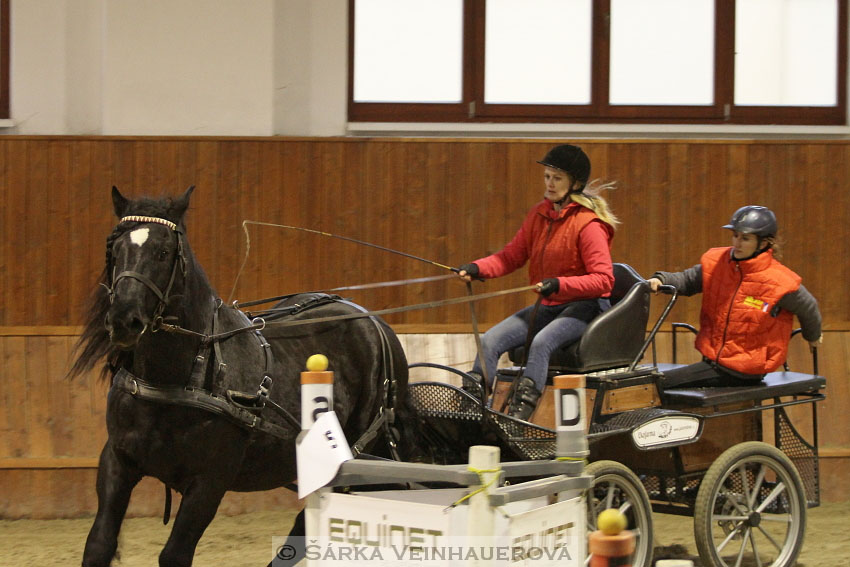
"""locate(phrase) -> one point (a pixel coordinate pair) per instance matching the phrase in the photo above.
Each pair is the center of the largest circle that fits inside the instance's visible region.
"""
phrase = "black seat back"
(614, 338)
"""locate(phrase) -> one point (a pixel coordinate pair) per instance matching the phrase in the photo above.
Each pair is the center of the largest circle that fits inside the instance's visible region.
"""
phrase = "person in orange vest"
(566, 242)
(748, 305)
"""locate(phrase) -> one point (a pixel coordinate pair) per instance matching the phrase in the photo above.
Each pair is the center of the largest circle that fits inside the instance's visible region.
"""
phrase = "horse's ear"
(119, 203)
(182, 203)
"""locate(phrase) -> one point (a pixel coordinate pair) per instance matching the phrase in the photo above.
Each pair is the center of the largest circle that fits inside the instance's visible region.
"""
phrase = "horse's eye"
(163, 254)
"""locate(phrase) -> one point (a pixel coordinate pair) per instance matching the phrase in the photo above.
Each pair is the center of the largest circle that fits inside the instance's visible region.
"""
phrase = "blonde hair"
(590, 197)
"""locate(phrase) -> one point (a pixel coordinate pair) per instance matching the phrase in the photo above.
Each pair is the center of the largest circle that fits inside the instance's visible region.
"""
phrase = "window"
(699, 61)
(4, 59)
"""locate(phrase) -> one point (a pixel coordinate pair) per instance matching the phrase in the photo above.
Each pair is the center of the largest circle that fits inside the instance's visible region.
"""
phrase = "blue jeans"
(553, 326)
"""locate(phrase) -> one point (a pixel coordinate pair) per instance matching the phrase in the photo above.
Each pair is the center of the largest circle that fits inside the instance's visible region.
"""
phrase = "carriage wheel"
(616, 486)
(750, 509)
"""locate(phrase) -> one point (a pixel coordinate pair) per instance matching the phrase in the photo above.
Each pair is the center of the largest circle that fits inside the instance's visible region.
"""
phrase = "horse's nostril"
(136, 326)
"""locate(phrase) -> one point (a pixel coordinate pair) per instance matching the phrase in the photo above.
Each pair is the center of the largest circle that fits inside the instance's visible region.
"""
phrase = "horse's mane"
(94, 344)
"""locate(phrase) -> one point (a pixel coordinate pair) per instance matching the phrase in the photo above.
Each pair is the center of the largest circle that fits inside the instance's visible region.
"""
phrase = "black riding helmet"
(753, 219)
(570, 159)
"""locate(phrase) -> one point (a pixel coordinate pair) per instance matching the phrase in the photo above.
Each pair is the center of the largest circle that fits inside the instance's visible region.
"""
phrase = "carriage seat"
(774, 384)
(614, 338)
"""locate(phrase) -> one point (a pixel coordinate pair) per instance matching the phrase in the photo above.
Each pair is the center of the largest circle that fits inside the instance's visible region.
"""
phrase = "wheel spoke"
(770, 538)
(718, 518)
(626, 506)
(729, 537)
(755, 548)
(777, 490)
(742, 470)
(757, 487)
(731, 499)
(609, 498)
(743, 548)
(781, 518)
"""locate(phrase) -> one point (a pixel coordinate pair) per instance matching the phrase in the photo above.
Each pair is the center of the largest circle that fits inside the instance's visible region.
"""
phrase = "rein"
(260, 323)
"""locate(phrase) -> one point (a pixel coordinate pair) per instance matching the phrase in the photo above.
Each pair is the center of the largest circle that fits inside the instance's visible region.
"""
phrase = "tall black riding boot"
(525, 399)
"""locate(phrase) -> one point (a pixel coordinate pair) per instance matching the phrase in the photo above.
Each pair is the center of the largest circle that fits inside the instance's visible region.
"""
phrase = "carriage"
(730, 457)
(182, 407)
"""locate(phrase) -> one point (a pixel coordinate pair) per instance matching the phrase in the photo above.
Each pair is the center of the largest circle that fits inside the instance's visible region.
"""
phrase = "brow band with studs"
(156, 220)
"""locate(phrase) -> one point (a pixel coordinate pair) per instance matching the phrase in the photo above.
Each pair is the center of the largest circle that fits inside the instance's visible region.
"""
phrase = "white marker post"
(317, 384)
(570, 419)
(483, 460)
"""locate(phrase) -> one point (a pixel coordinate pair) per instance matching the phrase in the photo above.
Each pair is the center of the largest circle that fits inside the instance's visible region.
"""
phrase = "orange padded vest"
(737, 329)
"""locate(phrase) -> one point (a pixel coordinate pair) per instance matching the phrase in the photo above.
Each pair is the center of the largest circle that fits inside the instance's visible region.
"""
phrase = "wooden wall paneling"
(8, 432)
(87, 431)
(38, 403)
(632, 237)
(517, 186)
(397, 219)
(829, 205)
(56, 232)
(248, 193)
(204, 213)
(145, 169)
(18, 308)
(803, 257)
(101, 214)
(339, 184)
(123, 168)
(81, 238)
(439, 221)
(289, 244)
(414, 208)
(834, 362)
(269, 203)
(57, 397)
(34, 226)
(653, 190)
(6, 227)
(227, 246)
(377, 180)
(165, 161)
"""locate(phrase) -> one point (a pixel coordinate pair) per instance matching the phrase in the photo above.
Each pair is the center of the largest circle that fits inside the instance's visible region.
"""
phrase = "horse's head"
(146, 264)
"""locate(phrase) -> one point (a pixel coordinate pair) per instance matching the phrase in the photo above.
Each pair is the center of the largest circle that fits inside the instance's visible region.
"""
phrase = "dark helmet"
(571, 159)
(753, 219)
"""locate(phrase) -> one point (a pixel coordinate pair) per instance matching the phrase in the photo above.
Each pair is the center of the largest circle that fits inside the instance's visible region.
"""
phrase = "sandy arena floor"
(245, 540)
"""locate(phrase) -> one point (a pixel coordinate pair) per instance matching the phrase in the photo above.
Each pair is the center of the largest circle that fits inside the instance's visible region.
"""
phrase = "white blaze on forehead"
(139, 236)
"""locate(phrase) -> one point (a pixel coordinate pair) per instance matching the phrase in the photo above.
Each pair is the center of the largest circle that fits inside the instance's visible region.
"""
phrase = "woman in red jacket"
(566, 241)
(748, 305)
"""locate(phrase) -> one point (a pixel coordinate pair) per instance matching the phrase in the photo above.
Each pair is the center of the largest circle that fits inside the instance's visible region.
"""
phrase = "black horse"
(194, 382)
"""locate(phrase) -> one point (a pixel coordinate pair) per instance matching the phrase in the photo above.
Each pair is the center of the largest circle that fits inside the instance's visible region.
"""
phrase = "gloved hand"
(549, 286)
(470, 269)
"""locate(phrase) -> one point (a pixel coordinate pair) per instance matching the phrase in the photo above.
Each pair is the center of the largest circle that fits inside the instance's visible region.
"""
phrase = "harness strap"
(180, 396)
(386, 413)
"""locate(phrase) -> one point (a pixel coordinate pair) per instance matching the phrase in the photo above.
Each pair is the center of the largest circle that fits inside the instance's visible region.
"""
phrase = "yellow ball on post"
(317, 363)
(611, 521)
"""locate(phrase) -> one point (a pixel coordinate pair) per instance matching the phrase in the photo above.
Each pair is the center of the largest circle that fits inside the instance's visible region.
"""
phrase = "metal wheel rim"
(734, 522)
(629, 502)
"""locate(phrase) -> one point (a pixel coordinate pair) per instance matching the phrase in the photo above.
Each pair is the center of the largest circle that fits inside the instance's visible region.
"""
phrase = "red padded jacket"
(739, 327)
(572, 244)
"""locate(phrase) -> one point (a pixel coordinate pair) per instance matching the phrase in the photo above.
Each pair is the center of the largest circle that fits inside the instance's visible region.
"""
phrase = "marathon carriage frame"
(699, 452)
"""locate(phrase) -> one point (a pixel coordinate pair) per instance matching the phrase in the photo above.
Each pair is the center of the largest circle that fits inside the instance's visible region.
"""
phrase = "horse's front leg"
(115, 482)
(197, 509)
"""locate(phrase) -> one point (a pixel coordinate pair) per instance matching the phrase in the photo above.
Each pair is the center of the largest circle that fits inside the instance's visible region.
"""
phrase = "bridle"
(179, 265)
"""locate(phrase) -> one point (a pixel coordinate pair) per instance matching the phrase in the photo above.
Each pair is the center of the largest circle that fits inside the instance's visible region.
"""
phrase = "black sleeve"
(804, 305)
(686, 283)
